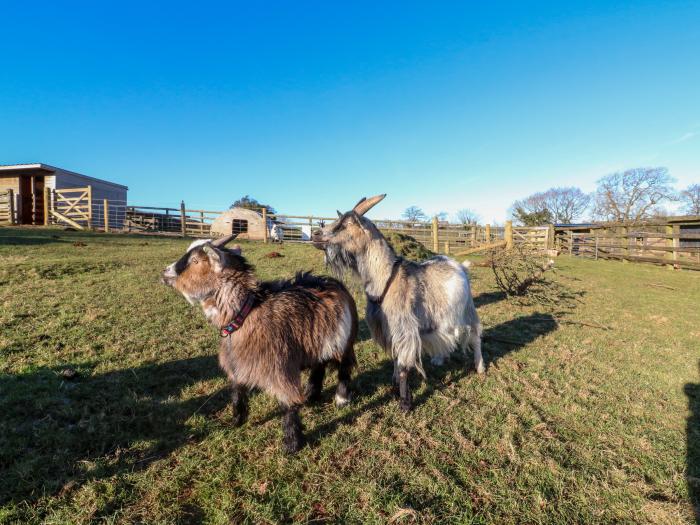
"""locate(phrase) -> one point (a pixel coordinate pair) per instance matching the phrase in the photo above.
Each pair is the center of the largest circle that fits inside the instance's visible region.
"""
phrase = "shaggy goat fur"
(411, 307)
(306, 322)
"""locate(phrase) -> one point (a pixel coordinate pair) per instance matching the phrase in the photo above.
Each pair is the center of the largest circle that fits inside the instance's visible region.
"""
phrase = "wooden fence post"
(487, 234)
(474, 228)
(89, 198)
(625, 244)
(201, 223)
(673, 242)
(436, 244)
(106, 215)
(596, 246)
(447, 247)
(571, 242)
(183, 220)
(264, 219)
(508, 233)
(46, 206)
(550, 237)
(11, 202)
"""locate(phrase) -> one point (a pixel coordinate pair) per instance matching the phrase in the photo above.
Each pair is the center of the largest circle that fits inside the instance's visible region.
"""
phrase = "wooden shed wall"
(9, 183)
(100, 189)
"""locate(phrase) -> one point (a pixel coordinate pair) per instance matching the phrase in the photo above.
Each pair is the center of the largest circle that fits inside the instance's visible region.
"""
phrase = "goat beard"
(343, 266)
(340, 261)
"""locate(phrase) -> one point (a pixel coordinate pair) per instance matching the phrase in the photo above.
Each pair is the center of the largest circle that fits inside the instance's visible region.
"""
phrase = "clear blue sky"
(310, 105)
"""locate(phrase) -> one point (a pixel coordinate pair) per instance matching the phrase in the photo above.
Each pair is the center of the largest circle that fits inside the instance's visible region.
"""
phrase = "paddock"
(113, 408)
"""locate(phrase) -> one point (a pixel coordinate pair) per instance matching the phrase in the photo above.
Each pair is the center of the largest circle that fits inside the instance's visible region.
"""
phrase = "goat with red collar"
(270, 331)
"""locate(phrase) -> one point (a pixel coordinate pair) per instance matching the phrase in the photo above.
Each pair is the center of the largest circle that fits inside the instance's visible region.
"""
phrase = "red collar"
(237, 321)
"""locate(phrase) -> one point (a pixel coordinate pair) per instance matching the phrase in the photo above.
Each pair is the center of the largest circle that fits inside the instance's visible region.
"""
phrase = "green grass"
(571, 424)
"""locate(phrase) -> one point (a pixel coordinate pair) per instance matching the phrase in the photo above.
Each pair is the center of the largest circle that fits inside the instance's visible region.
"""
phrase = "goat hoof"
(438, 360)
(294, 445)
(239, 419)
(341, 401)
(405, 406)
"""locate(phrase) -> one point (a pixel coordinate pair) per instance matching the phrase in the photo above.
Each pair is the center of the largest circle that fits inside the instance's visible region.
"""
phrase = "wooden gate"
(7, 207)
(533, 237)
(72, 206)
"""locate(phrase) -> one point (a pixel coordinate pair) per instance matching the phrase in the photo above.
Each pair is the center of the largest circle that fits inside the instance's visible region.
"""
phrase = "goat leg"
(395, 381)
(315, 385)
(342, 392)
(291, 428)
(405, 398)
(239, 404)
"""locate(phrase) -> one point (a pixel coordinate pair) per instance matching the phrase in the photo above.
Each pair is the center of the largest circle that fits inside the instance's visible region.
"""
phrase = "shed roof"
(52, 169)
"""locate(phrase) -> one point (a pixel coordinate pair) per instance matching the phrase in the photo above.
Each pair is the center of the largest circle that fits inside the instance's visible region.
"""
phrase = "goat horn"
(365, 204)
(223, 241)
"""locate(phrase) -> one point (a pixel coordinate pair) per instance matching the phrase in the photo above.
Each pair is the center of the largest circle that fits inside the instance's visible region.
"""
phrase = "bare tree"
(414, 214)
(691, 199)
(567, 204)
(633, 195)
(442, 216)
(467, 216)
(561, 205)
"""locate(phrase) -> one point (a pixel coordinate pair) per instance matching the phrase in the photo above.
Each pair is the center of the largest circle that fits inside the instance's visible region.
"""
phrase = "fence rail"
(667, 244)
(676, 244)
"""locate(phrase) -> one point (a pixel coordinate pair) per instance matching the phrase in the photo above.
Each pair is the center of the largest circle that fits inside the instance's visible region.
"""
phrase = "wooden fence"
(7, 207)
(77, 208)
(72, 206)
(675, 243)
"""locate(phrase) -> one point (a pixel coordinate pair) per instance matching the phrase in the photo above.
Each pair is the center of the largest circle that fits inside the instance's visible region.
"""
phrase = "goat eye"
(194, 260)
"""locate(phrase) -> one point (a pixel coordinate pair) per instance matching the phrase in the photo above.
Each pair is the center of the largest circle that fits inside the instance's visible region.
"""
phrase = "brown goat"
(271, 331)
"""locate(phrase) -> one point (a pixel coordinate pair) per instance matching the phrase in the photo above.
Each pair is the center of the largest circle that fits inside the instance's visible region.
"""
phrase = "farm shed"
(27, 182)
(247, 223)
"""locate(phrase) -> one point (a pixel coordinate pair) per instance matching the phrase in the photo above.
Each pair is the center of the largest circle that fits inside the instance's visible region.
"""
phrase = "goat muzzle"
(318, 241)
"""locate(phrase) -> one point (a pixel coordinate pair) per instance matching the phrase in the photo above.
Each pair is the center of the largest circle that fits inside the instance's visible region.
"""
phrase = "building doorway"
(30, 209)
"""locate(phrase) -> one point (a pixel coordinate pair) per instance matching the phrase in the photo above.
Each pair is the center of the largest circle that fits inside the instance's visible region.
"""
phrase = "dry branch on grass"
(520, 272)
(657, 285)
(516, 270)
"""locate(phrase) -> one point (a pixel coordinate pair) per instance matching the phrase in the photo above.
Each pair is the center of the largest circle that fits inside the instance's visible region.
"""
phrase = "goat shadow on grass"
(59, 433)
(692, 390)
(487, 298)
(519, 332)
(11, 240)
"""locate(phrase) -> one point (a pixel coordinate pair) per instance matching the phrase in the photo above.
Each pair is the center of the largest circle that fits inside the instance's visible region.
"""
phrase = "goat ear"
(365, 204)
(214, 257)
(339, 214)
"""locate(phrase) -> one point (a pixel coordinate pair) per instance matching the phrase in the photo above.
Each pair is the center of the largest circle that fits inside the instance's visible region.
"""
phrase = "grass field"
(573, 423)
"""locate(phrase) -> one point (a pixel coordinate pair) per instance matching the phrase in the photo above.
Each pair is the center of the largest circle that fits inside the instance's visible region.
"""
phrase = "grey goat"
(411, 307)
